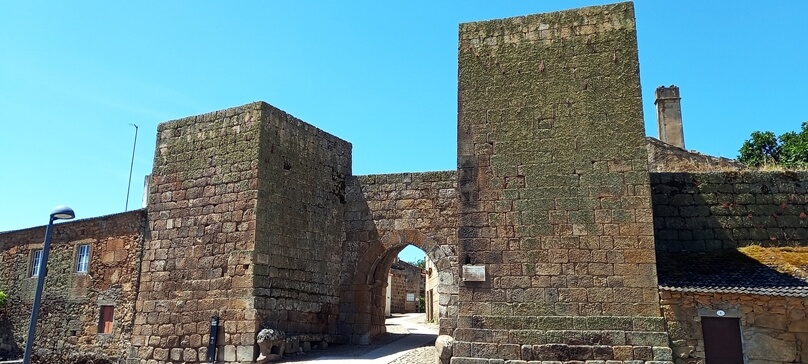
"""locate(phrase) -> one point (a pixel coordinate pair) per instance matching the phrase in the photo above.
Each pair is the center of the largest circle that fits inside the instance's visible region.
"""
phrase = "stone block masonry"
(70, 316)
(245, 224)
(299, 224)
(663, 157)
(555, 200)
(383, 214)
(774, 328)
(255, 217)
(405, 280)
(726, 210)
(197, 265)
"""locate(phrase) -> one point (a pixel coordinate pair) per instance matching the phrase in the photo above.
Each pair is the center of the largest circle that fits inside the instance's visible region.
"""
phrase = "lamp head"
(62, 212)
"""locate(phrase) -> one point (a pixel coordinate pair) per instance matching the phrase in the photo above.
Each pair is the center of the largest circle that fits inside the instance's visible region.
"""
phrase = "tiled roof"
(728, 271)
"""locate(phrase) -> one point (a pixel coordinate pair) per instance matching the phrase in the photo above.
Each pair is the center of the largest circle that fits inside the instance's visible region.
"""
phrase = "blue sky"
(380, 74)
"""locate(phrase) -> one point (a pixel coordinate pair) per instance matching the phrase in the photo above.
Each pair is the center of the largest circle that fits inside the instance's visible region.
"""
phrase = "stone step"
(562, 322)
(567, 337)
(461, 360)
(558, 353)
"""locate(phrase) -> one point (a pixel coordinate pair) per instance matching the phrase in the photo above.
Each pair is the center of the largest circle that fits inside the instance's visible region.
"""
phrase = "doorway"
(722, 340)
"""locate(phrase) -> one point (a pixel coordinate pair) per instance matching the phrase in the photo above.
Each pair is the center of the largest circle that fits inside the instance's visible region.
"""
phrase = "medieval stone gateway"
(552, 242)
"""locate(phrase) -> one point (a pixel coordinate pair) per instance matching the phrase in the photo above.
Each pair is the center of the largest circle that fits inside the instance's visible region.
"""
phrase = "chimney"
(669, 115)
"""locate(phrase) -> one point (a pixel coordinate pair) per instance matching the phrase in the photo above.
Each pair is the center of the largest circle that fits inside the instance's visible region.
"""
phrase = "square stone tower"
(555, 232)
(245, 224)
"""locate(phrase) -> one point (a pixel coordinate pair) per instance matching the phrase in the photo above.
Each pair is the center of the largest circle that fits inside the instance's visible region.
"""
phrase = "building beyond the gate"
(564, 236)
(405, 286)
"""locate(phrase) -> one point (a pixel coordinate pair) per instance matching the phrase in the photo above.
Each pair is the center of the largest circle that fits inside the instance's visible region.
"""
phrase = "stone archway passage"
(376, 279)
(384, 214)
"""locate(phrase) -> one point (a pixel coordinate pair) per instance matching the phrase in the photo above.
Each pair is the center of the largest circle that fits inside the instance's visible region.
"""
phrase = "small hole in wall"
(72, 332)
(245, 266)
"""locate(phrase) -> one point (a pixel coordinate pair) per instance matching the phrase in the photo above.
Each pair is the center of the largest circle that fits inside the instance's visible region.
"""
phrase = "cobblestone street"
(409, 339)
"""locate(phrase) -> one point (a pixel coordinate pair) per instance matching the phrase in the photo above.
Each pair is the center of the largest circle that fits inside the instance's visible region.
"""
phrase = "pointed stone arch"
(370, 280)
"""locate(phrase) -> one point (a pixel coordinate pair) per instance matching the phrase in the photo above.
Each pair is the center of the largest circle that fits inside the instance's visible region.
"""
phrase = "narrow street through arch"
(405, 333)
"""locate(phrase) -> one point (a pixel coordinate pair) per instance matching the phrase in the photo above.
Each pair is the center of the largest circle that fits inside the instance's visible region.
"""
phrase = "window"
(105, 319)
(410, 297)
(82, 258)
(36, 262)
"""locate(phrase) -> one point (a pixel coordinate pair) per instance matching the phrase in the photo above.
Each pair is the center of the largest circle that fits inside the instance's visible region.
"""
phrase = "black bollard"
(214, 332)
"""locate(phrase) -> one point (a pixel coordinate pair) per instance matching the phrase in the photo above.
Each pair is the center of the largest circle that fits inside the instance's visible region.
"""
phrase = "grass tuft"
(790, 260)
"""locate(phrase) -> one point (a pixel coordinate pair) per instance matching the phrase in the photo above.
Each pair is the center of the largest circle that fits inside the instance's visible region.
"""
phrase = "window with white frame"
(83, 258)
(36, 262)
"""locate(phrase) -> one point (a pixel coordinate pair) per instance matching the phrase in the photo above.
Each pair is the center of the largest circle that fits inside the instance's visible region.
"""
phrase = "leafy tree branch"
(789, 150)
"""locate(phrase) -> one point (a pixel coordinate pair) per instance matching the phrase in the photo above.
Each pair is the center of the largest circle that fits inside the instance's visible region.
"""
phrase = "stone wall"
(384, 214)
(69, 315)
(299, 224)
(553, 182)
(431, 298)
(663, 157)
(774, 329)
(414, 284)
(197, 262)
(398, 287)
(406, 279)
(245, 214)
(254, 217)
(709, 211)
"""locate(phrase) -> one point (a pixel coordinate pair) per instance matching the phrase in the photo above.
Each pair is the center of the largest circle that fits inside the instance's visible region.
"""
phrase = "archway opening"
(406, 281)
(364, 305)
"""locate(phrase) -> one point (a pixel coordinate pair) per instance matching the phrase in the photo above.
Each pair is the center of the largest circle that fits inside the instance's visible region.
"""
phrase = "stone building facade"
(88, 305)
(552, 242)
(704, 224)
(431, 296)
(407, 283)
(773, 328)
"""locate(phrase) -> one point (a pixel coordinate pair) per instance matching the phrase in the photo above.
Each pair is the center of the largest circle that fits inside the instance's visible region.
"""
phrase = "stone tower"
(245, 224)
(555, 226)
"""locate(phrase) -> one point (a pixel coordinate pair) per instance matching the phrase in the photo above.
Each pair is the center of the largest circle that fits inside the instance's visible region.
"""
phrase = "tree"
(789, 150)
(420, 263)
(763, 148)
(794, 152)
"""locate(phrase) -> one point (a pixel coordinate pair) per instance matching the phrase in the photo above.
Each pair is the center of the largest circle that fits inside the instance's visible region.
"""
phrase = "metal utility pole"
(131, 165)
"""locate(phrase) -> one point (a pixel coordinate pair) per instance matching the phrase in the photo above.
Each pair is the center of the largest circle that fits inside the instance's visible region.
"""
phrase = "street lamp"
(59, 213)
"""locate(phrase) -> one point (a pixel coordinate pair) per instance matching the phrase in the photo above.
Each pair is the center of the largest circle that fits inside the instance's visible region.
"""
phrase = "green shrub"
(3, 298)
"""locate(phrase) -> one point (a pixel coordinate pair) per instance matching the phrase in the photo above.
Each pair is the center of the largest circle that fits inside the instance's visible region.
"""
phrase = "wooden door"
(722, 340)
(106, 319)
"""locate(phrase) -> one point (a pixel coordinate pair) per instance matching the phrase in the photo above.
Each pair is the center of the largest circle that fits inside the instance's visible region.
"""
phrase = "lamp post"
(58, 213)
